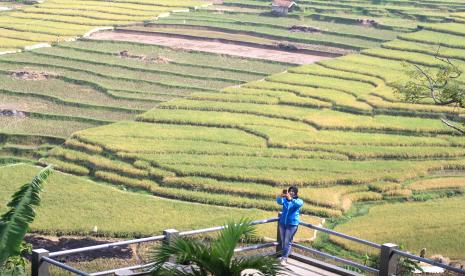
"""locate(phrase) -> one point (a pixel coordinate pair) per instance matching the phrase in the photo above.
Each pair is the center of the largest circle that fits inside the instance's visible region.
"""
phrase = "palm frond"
(214, 258)
(176, 271)
(230, 236)
(183, 251)
(15, 222)
(267, 265)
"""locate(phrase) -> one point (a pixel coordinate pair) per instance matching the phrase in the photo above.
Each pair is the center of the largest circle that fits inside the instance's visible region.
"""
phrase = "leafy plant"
(15, 265)
(215, 258)
(439, 84)
(15, 222)
(407, 266)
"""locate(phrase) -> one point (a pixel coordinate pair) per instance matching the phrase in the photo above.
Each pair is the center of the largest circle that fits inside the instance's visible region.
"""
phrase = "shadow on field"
(59, 244)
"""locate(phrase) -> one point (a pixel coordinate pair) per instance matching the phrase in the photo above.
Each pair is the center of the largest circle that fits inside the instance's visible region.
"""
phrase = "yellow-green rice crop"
(166, 131)
(355, 87)
(40, 126)
(69, 19)
(382, 104)
(441, 51)
(112, 217)
(87, 13)
(65, 166)
(452, 28)
(336, 97)
(37, 37)
(319, 70)
(364, 196)
(319, 126)
(64, 18)
(415, 225)
(435, 38)
(438, 183)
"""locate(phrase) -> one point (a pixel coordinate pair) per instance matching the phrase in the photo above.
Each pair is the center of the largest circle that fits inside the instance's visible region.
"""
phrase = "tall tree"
(440, 84)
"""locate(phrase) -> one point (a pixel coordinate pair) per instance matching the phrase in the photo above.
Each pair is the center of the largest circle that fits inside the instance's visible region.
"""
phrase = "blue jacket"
(291, 210)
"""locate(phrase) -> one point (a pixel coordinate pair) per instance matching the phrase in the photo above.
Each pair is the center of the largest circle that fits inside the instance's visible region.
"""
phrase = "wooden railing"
(388, 260)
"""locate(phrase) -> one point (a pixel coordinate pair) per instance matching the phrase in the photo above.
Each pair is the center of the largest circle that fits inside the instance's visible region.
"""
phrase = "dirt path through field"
(211, 46)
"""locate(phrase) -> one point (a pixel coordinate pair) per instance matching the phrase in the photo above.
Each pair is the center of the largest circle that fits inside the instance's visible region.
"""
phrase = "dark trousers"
(286, 232)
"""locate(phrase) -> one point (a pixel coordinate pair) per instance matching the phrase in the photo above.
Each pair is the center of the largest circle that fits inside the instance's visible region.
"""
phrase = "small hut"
(282, 7)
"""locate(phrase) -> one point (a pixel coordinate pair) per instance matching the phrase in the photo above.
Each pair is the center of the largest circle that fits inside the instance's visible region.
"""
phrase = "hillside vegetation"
(416, 225)
(87, 202)
(326, 27)
(336, 122)
(55, 21)
(53, 92)
(208, 131)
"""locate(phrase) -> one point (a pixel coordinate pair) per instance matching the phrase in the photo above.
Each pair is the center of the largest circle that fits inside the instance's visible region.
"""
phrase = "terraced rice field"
(231, 132)
(433, 225)
(55, 21)
(58, 91)
(333, 29)
(336, 122)
(115, 218)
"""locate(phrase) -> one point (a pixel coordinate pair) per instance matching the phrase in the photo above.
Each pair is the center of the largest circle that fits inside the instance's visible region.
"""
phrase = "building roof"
(283, 3)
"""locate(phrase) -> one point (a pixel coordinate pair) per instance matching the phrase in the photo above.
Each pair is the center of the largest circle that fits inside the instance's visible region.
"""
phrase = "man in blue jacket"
(289, 220)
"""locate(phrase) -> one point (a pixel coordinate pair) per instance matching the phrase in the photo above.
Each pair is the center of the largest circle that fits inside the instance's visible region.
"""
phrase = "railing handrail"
(64, 266)
(148, 239)
(332, 232)
(428, 261)
(218, 228)
(105, 246)
(48, 257)
(335, 258)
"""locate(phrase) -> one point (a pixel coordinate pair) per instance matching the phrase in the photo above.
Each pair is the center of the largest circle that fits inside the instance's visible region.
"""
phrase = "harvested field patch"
(158, 59)
(11, 112)
(305, 29)
(209, 46)
(64, 243)
(31, 75)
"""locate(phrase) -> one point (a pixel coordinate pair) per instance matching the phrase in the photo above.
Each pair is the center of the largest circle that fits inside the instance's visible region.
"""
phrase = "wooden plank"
(299, 268)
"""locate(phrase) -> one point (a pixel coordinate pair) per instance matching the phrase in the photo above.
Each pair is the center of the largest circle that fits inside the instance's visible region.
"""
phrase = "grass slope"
(63, 20)
(433, 225)
(85, 204)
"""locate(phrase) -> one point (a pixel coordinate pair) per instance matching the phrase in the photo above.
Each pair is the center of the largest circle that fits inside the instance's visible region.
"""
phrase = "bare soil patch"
(304, 29)
(158, 59)
(212, 47)
(12, 113)
(367, 22)
(31, 75)
(65, 243)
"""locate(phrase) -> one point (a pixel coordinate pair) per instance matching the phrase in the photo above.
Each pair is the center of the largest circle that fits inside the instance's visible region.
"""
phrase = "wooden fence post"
(39, 267)
(170, 236)
(388, 260)
(278, 238)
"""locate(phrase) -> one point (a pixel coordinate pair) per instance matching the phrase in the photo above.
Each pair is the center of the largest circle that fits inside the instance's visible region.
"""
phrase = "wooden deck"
(298, 268)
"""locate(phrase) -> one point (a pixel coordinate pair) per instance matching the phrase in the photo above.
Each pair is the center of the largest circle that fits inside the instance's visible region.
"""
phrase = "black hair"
(295, 189)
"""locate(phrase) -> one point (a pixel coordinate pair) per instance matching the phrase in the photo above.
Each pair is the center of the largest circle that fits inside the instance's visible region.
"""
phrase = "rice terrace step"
(190, 113)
